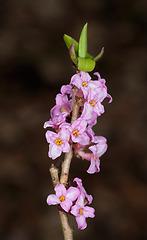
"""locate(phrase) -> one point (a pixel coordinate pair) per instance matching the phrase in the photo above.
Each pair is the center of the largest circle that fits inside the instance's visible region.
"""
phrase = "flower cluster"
(79, 134)
(73, 200)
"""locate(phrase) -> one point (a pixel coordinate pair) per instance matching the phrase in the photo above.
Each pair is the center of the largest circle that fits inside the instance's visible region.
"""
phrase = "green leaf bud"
(83, 42)
(69, 40)
(86, 65)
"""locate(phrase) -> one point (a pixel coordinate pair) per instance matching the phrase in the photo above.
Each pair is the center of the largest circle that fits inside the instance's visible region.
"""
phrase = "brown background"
(34, 63)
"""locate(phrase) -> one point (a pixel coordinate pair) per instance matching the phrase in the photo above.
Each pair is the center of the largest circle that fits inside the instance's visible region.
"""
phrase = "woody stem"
(68, 235)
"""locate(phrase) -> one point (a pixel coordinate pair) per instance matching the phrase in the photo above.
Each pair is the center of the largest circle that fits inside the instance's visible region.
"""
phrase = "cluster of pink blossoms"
(79, 134)
(73, 201)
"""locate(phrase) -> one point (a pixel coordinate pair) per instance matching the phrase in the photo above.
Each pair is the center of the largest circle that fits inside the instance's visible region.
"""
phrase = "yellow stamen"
(95, 157)
(62, 198)
(58, 141)
(80, 211)
(92, 103)
(84, 84)
(75, 132)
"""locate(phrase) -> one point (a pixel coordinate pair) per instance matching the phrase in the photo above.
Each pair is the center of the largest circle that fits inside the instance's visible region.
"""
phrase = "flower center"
(80, 211)
(58, 141)
(62, 198)
(95, 157)
(84, 84)
(75, 132)
(92, 103)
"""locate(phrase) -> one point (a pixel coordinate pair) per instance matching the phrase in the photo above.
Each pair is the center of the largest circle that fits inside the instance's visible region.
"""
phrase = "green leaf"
(99, 55)
(69, 40)
(86, 65)
(72, 53)
(83, 42)
(88, 55)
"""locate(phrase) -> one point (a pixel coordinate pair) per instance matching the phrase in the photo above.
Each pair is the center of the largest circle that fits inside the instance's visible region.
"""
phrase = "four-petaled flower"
(81, 81)
(63, 197)
(58, 142)
(81, 212)
(77, 131)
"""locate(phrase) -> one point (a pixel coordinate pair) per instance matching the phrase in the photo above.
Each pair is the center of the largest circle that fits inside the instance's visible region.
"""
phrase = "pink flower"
(55, 121)
(82, 81)
(66, 89)
(98, 150)
(102, 89)
(89, 115)
(82, 212)
(62, 105)
(77, 130)
(82, 190)
(94, 103)
(63, 197)
(58, 142)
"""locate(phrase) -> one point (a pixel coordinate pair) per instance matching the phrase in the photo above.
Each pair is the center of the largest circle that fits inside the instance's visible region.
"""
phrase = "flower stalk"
(68, 234)
(76, 111)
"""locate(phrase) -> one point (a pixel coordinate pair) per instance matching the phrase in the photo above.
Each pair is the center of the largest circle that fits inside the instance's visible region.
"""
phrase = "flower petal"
(50, 136)
(72, 193)
(97, 164)
(60, 190)
(66, 205)
(81, 221)
(80, 201)
(66, 147)
(92, 168)
(52, 199)
(76, 80)
(64, 134)
(54, 151)
(102, 147)
(88, 212)
(75, 210)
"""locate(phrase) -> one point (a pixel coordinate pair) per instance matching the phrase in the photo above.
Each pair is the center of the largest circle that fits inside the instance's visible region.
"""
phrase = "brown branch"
(66, 166)
(67, 232)
(54, 175)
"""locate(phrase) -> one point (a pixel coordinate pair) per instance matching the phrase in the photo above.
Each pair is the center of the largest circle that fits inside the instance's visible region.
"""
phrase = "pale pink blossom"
(94, 103)
(63, 197)
(82, 212)
(66, 89)
(55, 121)
(98, 150)
(102, 89)
(58, 142)
(82, 190)
(88, 114)
(62, 105)
(83, 82)
(77, 130)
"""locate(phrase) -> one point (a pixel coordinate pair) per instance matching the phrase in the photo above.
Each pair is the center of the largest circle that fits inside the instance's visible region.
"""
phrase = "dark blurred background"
(34, 63)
